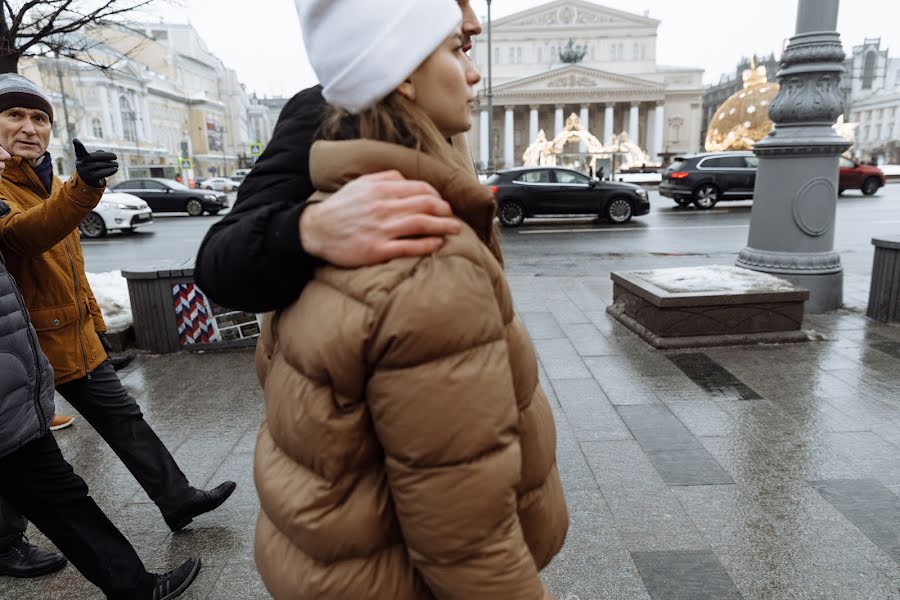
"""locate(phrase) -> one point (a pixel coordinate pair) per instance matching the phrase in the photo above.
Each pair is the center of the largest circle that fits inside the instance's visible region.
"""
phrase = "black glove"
(94, 167)
(104, 341)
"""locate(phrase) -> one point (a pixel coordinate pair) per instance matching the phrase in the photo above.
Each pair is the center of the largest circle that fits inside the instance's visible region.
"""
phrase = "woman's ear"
(407, 90)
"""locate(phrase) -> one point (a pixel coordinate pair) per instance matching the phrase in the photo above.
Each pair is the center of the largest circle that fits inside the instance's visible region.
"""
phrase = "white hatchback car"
(219, 184)
(116, 212)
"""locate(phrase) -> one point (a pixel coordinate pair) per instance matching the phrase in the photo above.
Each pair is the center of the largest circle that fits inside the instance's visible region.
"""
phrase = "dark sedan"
(553, 191)
(167, 195)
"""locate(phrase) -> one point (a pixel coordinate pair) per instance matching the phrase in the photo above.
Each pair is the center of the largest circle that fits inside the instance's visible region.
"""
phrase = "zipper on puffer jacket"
(77, 310)
(33, 344)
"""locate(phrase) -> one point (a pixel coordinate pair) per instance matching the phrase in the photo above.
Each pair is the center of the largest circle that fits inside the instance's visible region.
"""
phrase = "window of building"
(620, 51)
(519, 55)
(540, 55)
(643, 51)
(129, 120)
(512, 55)
(97, 128)
(869, 70)
(612, 52)
(497, 55)
(635, 51)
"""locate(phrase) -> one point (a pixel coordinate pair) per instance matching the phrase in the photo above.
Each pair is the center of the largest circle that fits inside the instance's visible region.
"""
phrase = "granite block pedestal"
(708, 306)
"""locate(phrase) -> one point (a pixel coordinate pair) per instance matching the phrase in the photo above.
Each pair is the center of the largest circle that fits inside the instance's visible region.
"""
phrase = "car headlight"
(121, 206)
(642, 193)
(212, 197)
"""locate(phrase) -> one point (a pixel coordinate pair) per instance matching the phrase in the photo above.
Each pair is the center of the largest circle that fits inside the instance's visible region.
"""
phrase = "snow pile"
(111, 291)
(715, 278)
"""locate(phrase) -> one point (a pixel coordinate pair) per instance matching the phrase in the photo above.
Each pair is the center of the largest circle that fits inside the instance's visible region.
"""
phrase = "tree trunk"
(9, 63)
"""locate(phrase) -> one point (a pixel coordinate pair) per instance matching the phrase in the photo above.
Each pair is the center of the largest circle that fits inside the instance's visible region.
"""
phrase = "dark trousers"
(110, 409)
(116, 416)
(41, 485)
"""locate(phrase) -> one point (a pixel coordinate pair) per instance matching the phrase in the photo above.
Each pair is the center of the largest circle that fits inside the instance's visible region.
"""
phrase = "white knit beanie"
(361, 50)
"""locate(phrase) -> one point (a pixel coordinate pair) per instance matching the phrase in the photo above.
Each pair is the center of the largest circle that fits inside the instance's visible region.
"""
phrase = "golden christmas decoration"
(743, 119)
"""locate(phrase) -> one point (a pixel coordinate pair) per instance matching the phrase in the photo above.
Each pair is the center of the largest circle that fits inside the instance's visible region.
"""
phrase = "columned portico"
(658, 121)
(633, 131)
(558, 121)
(484, 138)
(533, 123)
(509, 156)
(608, 116)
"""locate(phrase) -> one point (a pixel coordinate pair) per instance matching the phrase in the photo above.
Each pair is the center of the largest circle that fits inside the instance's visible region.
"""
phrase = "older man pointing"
(43, 253)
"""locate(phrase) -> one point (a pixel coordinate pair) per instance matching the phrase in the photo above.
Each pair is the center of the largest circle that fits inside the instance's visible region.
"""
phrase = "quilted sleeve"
(442, 402)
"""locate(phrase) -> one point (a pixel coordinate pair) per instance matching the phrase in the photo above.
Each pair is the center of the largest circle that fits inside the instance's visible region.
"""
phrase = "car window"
(678, 165)
(492, 179)
(724, 162)
(133, 184)
(534, 177)
(846, 163)
(571, 177)
(176, 186)
(751, 162)
(154, 185)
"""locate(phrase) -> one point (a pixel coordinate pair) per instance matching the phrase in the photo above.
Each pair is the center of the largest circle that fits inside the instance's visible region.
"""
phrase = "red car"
(856, 176)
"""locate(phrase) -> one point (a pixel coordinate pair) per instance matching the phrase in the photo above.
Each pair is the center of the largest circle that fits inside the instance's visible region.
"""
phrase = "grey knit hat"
(17, 91)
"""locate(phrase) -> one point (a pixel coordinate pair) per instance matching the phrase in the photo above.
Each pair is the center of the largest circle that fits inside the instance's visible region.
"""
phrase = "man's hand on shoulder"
(377, 218)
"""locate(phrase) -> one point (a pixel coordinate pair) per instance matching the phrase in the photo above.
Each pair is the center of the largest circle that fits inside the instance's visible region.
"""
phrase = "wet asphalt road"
(567, 247)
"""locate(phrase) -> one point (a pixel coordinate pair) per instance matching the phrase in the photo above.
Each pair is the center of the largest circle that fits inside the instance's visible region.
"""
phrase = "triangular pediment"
(576, 77)
(566, 14)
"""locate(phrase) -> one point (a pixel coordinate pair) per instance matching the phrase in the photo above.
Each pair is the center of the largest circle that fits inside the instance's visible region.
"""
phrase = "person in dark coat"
(260, 256)
(37, 482)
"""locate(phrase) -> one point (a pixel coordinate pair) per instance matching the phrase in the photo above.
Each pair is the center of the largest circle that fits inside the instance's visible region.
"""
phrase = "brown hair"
(395, 120)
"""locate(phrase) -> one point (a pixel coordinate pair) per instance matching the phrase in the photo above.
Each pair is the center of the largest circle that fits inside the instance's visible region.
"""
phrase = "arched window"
(97, 128)
(635, 51)
(869, 70)
(129, 120)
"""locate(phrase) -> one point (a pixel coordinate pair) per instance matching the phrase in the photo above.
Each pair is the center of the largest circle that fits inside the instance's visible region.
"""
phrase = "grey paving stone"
(869, 505)
(566, 312)
(675, 575)
(646, 513)
(656, 428)
(560, 359)
(587, 340)
(688, 467)
(785, 541)
(574, 471)
(702, 417)
(594, 563)
(589, 412)
(541, 325)
(712, 376)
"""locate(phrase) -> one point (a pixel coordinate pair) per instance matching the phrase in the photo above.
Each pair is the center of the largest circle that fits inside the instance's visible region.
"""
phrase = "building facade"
(169, 107)
(573, 56)
(873, 82)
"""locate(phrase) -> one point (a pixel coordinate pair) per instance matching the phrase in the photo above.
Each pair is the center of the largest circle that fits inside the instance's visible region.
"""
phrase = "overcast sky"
(261, 39)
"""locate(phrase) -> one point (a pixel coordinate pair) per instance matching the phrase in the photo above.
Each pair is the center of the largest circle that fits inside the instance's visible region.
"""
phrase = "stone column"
(633, 131)
(533, 124)
(509, 139)
(484, 139)
(885, 126)
(608, 124)
(659, 120)
(585, 116)
(558, 122)
(792, 222)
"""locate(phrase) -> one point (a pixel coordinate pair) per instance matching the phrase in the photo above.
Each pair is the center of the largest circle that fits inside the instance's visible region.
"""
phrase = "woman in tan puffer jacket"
(408, 450)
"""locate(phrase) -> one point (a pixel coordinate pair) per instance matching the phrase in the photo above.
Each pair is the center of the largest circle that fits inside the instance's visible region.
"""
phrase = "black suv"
(705, 179)
(551, 191)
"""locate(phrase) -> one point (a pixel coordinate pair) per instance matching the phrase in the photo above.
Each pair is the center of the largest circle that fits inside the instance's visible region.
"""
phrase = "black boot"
(175, 582)
(201, 502)
(120, 362)
(24, 559)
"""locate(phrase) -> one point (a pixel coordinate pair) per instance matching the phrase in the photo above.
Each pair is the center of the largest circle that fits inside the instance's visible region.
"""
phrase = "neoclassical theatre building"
(573, 56)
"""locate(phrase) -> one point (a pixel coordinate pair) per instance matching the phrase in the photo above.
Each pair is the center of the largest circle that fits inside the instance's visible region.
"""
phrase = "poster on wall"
(201, 321)
(215, 135)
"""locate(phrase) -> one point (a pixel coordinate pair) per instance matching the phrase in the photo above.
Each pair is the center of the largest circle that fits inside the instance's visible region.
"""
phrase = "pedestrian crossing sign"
(187, 163)
(255, 149)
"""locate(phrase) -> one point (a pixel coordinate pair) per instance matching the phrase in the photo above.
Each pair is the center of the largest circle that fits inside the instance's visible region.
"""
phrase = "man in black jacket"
(261, 255)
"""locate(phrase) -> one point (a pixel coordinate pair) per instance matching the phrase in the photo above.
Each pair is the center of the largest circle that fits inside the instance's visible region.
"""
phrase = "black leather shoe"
(120, 362)
(176, 581)
(201, 502)
(24, 559)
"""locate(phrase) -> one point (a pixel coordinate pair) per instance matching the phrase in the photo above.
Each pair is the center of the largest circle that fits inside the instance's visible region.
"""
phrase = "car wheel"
(870, 186)
(92, 226)
(511, 214)
(706, 196)
(194, 207)
(682, 201)
(619, 211)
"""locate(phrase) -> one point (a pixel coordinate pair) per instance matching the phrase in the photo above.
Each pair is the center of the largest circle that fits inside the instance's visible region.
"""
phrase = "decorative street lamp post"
(793, 217)
(490, 95)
